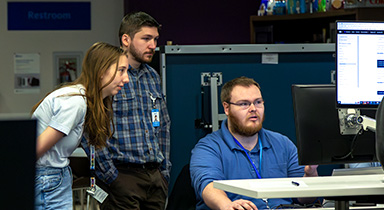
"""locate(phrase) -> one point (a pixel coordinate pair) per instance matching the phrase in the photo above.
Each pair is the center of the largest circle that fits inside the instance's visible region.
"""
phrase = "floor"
(93, 204)
(79, 207)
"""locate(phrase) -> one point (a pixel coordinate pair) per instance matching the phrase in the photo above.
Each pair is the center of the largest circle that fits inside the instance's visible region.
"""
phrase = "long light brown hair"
(98, 126)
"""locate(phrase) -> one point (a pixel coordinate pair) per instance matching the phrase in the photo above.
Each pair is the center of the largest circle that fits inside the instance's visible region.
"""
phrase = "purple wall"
(199, 21)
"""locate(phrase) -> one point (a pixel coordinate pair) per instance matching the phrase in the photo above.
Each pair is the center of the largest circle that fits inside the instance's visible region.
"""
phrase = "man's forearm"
(214, 198)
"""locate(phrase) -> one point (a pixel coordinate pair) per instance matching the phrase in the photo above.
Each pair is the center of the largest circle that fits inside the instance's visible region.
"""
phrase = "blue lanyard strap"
(249, 158)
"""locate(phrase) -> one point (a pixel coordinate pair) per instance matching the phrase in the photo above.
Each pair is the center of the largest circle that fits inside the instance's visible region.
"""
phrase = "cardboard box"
(349, 4)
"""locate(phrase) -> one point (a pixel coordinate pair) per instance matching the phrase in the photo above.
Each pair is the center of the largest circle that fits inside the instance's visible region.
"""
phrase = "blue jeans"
(53, 188)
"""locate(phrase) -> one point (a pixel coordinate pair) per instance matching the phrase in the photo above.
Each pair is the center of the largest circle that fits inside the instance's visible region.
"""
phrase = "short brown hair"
(227, 88)
(133, 22)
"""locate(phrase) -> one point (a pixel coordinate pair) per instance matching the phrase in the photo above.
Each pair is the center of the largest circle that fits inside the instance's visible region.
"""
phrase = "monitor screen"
(318, 135)
(18, 157)
(359, 64)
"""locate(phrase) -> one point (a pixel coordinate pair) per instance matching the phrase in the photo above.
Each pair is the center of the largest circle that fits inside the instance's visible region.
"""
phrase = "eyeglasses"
(259, 103)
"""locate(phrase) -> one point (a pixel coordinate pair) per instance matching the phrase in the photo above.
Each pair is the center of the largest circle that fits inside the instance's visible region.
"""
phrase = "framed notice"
(67, 66)
(27, 73)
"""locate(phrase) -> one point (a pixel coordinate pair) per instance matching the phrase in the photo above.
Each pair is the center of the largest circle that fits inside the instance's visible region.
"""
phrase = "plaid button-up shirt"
(136, 140)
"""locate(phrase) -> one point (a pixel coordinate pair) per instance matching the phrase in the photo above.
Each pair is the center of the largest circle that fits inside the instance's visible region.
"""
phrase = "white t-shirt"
(65, 112)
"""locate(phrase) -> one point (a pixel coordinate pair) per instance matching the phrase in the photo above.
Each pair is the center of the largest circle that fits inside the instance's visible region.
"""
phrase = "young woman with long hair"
(82, 106)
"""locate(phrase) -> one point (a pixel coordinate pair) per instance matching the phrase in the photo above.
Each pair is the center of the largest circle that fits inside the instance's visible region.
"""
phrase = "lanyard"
(249, 158)
(92, 188)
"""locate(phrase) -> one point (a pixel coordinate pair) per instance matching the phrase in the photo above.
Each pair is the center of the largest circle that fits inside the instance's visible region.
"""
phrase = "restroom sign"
(49, 16)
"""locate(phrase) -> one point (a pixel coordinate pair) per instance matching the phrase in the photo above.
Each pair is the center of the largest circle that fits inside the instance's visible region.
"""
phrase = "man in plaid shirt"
(134, 168)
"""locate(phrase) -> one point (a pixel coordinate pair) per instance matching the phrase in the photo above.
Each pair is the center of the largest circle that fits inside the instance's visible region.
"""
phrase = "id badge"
(98, 194)
(155, 118)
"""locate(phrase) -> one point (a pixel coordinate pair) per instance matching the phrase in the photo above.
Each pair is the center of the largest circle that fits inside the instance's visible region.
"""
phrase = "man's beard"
(136, 56)
(242, 130)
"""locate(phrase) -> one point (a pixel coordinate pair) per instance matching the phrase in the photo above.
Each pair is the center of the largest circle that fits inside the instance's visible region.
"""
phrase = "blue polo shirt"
(218, 157)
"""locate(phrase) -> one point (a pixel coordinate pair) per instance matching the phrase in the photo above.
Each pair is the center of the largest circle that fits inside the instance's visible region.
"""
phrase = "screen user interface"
(359, 63)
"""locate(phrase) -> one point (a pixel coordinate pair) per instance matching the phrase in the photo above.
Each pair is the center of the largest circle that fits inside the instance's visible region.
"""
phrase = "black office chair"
(183, 195)
(380, 133)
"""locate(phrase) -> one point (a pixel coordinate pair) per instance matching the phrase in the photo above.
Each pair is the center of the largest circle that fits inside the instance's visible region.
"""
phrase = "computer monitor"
(359, 64)
(18, 157)
(319, 141)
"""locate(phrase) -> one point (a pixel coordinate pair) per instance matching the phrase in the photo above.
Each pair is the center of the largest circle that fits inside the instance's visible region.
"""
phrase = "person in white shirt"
(84, 105)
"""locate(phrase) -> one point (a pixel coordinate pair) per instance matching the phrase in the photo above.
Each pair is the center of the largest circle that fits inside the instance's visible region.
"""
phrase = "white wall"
(105, 20)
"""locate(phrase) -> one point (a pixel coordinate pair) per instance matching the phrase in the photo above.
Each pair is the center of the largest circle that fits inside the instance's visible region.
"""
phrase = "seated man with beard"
(243, 149)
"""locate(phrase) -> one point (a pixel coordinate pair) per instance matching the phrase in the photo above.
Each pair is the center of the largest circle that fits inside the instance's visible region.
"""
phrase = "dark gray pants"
(136, 188)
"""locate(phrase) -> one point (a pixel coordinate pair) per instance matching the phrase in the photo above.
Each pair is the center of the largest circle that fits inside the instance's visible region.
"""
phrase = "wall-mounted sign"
(27, 73)
(49, 15)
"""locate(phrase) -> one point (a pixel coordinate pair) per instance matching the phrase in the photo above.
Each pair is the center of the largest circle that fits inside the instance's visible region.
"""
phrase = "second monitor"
(317, 129)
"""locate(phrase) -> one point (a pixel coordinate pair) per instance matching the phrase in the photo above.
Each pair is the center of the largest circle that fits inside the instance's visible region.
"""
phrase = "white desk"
(327, 186)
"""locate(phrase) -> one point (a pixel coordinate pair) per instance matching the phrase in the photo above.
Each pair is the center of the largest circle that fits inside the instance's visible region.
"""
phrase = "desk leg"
(341, 205)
